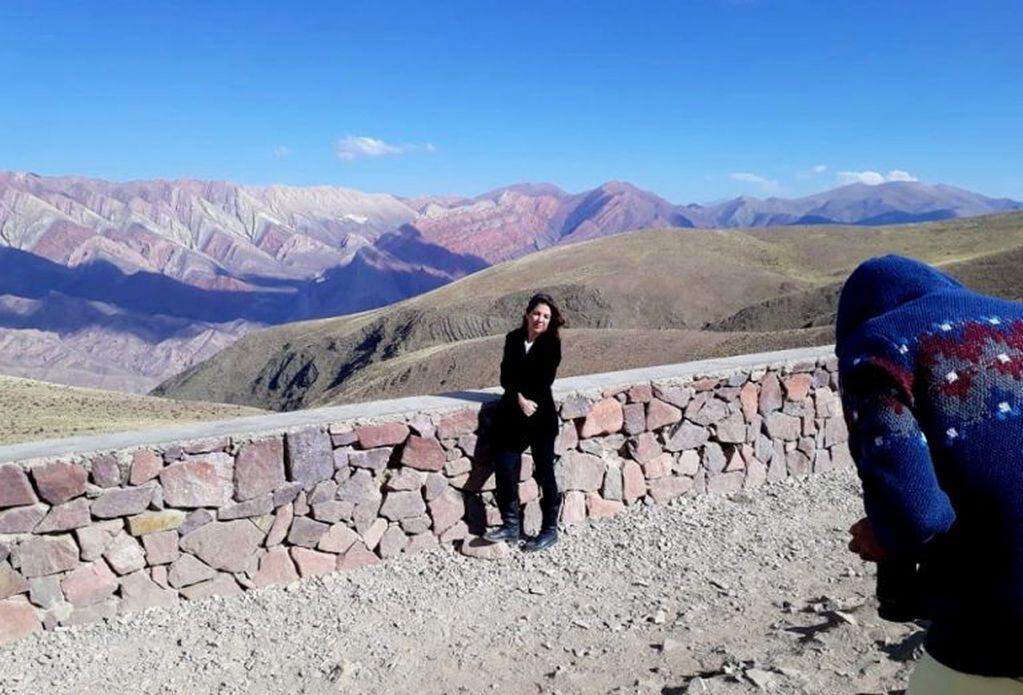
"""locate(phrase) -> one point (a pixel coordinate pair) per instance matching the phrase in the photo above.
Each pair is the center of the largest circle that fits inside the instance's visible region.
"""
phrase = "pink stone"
(89, 584)
(155, 522)
(420, 542)
(342, 435)
(645, 447)
(312, 563)
(306, 532)
(338, 539)
(457, 531)
(125, 554)
(221, 585)
(528, 491)
(573, 510)
(374, 533)
(65, 517)
(797, 386)
(658, 467)
(375, 460)
(207, 445)
(145, 465)
(259, 468)
(676, 396)
(406, 479)
(665, 489)
(22, 519)
(605, 417)
(187, 570)
(633, 482)
(59, 481)
(199, 482)
(357, 556)
(402, 505)
(688, 463)
(659, 414)
(756, 474)
(281, 526)
(725, 482)
(579, 471)
(42, 555)
(641, 393)
(122, 502)
(139, 592)
(456, 424)
(227, 546)
(446, 510)
(392, 542)
(748, 396)
(11, 582)
(105, 472)
(277, 567)
(95, 538)
(423, 425)
(161, 548)
(634, 416)
(17, 618)
(567, 439)
(387, 434)
(599, 508)
(423, 454)
(770, 393)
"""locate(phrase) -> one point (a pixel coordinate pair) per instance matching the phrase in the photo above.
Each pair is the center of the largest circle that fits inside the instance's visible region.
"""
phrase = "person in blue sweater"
(931, 377)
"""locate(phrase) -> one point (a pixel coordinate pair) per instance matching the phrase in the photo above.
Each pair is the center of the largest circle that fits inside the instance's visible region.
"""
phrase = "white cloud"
(819, 168)
(282, 151)
(354, 147)
(747, 177)
(873, 178)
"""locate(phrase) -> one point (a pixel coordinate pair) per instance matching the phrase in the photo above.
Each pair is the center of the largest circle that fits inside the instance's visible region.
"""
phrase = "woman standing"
(527, 417)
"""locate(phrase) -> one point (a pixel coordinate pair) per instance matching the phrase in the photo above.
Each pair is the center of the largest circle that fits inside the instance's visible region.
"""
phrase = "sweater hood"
(882, 284)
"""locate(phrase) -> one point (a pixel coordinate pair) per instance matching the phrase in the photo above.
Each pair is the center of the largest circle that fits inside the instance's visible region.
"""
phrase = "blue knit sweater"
(932, 389)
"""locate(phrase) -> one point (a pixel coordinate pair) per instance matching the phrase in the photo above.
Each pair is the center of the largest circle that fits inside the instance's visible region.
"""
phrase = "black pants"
(508, 470)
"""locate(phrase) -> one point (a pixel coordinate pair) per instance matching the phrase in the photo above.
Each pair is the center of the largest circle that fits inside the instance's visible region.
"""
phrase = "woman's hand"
(864, 543)
(528, 407)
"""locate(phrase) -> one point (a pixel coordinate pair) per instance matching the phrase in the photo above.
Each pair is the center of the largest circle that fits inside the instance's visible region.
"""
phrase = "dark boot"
(510, 530)
(548, 535)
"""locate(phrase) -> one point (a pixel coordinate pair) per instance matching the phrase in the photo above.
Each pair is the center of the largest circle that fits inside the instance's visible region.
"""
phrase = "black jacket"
(530, 374)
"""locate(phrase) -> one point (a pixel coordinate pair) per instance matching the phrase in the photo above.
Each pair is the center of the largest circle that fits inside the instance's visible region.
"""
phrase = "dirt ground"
(712, 594)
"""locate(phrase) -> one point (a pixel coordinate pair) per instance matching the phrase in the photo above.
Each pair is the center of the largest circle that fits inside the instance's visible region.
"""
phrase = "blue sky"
(696, 101)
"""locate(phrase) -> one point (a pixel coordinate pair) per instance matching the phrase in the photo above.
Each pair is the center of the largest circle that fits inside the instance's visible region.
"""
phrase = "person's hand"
(864, 543)
(528, 406)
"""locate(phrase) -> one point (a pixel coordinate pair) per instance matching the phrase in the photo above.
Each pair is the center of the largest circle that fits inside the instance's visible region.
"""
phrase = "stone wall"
(86, 535)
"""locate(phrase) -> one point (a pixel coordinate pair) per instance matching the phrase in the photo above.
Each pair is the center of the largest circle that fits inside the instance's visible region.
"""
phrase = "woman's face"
(538, 319)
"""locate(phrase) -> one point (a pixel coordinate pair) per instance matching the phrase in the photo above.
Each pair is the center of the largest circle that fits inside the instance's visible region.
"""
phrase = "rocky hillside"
(632, 300)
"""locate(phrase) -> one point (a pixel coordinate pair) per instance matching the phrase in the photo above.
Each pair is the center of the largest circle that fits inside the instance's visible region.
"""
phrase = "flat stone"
(640, 393)
(310, 456)
(375, 460)
(658, 467)
(365, 515)
(17, 618)
(573, 509)
(756, 474)
(567, 439)
(686, 436)
(374, 533)
(674, 395)
(598, 508)
(713, 459)
(125, 554)
(155, 522)
(575, 407)
(45, 592)
(797, 386)
(660, 414)
(259, 468)
(227, 546)
(387, 434)
(200, 482)
(606, 417)
(159, 575)
(457, 467)
(528, 491)
(357, 556)
(634, 418)
(770, 394)
(287, 494)
(258, 506)
(64, 517)
(725, 482)
(42, 555)
(782, 426)
(105, 471)
(406, 479)
(460, 530)
(22, 519)
(798, 463)
(312, 563)
(392, 542)
(333, 511)
(579, 471)
(423, 454)
(712, 412)
(221, 585)
(342, 434)
(688, 463)
(341, 458)
(145, 466)
(468, 443)
(89, 584)
(161, 548)
(446, 510)
(281, 526)
(612, 487)
(95, 538)
(665, 489)
(276, 568)
(484, 550)
(59, 481)
(434, 486)
(188, 570)
(423, 425)
(732, 429)
(360, 488)
(400, 505)
(339, 538)
(419, 542)
(749, 397)
(645, 447)
(122, 502)
(633, 482)
(456, 424)
(104, 610)
(139, 592)
(206, 445)
(11, 581)
(415, 525)
(305, 532)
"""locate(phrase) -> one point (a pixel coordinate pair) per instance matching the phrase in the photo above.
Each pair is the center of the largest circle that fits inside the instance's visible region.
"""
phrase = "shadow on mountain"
(903, 217)
(371, 280)
(407, 245)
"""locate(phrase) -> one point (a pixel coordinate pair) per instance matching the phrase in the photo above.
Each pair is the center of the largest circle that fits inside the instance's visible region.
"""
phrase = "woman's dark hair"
(557, 320)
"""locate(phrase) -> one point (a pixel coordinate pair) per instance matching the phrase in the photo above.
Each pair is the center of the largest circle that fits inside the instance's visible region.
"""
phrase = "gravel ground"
(708, 595)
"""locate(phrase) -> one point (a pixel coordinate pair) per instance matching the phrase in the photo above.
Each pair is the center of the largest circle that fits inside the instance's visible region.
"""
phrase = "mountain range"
(120, 285)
